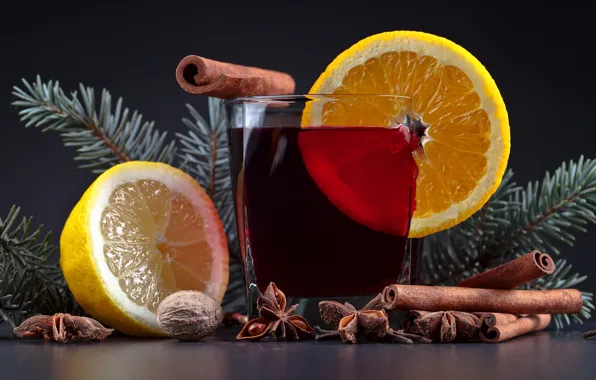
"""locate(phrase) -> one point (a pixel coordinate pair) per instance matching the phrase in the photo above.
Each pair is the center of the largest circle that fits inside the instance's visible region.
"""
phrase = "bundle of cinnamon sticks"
(501, 311)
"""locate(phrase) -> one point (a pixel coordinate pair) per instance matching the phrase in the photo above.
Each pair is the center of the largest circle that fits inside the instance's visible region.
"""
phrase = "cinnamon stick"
(495, 328)
(493, 319)
(514, 273)
(203, 76)
(438, 298)
(522, 270)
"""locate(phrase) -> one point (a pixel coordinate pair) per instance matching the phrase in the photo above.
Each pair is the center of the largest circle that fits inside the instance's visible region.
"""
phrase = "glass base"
(308, 306)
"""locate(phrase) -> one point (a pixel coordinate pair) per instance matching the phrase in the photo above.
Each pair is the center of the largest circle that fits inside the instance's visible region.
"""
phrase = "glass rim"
(315, 96)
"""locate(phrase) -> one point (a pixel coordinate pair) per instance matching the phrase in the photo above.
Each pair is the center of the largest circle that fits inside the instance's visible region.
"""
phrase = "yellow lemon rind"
(79, 261)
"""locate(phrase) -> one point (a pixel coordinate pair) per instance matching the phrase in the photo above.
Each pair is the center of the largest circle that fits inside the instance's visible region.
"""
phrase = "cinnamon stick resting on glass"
(202, 76)
(514, 273)
(439, 298)
(495, 327)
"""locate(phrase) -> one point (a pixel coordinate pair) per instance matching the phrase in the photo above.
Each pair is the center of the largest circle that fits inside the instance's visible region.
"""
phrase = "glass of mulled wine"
(324, 189)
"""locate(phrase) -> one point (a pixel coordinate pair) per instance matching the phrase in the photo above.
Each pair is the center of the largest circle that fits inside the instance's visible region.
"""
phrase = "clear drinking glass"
(324, 190)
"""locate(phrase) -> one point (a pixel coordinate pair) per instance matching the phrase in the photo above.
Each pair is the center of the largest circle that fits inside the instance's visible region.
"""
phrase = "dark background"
(541, 59)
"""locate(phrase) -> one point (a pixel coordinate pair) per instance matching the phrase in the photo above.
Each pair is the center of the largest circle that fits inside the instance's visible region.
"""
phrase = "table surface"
(544, 355)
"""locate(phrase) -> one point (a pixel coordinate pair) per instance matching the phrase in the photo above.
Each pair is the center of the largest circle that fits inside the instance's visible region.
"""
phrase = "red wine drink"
(324, 211)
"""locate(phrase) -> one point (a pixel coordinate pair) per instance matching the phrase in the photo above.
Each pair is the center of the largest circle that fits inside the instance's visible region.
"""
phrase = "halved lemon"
(141, 231)
(464, 151)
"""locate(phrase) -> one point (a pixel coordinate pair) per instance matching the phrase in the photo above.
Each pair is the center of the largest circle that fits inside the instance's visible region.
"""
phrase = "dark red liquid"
(327, 209)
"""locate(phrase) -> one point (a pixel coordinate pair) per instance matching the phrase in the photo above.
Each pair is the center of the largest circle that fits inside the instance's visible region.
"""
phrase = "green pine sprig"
(543, 216)
(551, 211)
(102, 135)
(204, 155)
(31, 281)
(22, 247)
(461, 251)
(18, 295)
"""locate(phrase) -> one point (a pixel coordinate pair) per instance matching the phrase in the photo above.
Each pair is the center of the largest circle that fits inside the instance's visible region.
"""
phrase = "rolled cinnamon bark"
(493, 331)
(438, 298)
(199, 75)
(493, 319)
(514, 273)
(527, 268)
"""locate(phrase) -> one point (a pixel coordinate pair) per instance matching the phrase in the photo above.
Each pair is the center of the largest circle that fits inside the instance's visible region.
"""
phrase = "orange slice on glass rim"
(463, 152)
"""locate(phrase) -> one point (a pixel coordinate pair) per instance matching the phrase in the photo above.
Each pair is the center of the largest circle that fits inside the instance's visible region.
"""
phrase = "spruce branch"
(204, 155)
(31, 281)
(103, 137)
(461, 251)
(517, 220)
(550, 212)
(18, 295)
(22, 248)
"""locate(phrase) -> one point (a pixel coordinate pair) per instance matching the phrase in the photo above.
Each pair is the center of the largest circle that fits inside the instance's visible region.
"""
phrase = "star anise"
(409, 321)
(62, 328)
(448, 326)
(352, 325)
(275, 319)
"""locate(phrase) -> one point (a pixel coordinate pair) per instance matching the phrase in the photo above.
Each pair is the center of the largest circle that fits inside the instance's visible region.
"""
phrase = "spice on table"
(446, 326)
(514, 273)
(449, 326)
(409, 321)
(589, 334)
(231, 319)
(496, 327)
(275, 319)
(62, 328)
(203, 76)
(352, 325)
(189, 315)
(493, 319)
(441, 298)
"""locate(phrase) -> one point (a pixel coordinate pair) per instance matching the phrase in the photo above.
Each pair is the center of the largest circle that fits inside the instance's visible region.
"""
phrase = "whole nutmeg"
(189, 315)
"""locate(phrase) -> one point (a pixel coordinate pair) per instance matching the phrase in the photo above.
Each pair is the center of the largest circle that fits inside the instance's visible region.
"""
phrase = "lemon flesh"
(140, 232)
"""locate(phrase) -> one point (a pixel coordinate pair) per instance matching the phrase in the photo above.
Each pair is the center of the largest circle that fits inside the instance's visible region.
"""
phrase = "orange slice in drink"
(140, 232)
(463, 151)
